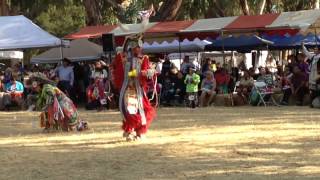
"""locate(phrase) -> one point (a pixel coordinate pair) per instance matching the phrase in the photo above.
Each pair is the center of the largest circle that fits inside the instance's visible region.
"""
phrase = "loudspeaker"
(108, 42)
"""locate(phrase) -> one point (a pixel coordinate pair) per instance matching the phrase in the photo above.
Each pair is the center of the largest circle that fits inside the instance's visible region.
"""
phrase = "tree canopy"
(63, 17)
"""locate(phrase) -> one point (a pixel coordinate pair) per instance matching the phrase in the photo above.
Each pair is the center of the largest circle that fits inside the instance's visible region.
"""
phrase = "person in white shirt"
(65, 75)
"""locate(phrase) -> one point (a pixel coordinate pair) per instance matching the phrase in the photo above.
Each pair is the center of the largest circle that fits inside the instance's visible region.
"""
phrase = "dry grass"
(210, 143)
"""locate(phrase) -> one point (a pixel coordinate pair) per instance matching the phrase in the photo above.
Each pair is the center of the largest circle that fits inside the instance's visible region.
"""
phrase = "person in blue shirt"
(13, 93)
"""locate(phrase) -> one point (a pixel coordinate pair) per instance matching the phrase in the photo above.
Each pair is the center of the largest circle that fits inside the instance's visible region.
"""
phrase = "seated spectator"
(32, 95)
(253, 73)
(265, 76)
(13, 94)
(192, 81)
(168, 89)
(245, 85)
(222, 79)
(208, 88)
(298, 87)
(96, 97)
(179, 85)
(7, 75)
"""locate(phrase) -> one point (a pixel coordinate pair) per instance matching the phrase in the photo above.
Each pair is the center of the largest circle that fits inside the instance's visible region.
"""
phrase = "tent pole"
(315, 36)
(223, 53)
(22, 67)
(61, 50)
(180, 56)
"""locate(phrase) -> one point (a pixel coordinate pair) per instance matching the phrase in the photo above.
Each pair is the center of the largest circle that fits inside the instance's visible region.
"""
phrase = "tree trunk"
(262, 6)
(316, 4)
(300, 5)
(4, 8)
(268, 6)
(214, 10)
(244, 6)
(168, 11)
(93, 11)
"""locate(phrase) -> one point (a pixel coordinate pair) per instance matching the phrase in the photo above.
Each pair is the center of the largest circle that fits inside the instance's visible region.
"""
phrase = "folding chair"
(263, 91)
(235, 87)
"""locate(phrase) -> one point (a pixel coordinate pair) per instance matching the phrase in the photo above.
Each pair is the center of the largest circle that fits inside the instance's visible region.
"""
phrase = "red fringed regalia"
(134, 104)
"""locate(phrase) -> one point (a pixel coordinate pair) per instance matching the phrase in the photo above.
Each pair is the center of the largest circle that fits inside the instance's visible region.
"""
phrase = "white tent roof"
(130, 29)
(185, 46)
(203, 25)
(298, 19)
(18, 32)
(79, 50)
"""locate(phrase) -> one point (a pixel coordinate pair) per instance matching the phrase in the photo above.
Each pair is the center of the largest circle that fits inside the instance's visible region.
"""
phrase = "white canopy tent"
(185, 46)
(79, 50)
(18, 32)
(11, 55)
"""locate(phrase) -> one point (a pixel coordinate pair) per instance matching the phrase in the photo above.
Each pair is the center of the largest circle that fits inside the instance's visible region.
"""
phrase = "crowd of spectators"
(90, 83)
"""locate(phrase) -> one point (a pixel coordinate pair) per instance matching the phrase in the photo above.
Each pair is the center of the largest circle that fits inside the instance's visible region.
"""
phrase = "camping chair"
(263, 91)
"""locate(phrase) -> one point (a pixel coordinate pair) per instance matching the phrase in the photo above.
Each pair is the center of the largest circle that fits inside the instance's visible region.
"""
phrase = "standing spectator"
(314, 76)
(185, 65)
(192, 81)
(78, 87)
(166, 66)
(302, 64)
(298, 86)
(206, 66)
(66, 77)
(86, 74)
(208, 87)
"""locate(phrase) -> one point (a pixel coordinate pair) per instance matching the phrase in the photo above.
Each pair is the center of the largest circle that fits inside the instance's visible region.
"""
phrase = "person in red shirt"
(298, 86)
(222, 78)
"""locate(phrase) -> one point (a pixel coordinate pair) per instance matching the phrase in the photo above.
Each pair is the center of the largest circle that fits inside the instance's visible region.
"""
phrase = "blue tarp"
(293, 42)
(246, 43)
(241, 43)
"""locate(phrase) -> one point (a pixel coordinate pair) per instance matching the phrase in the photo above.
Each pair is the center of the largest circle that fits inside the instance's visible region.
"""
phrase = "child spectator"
(192, 81)
(208, 87)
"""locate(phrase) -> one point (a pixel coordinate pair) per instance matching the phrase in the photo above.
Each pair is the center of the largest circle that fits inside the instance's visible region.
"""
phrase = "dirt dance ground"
(249, 143)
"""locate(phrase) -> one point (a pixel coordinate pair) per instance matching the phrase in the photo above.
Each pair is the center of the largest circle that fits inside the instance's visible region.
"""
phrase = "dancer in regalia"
(58, 111)
(131, 71)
